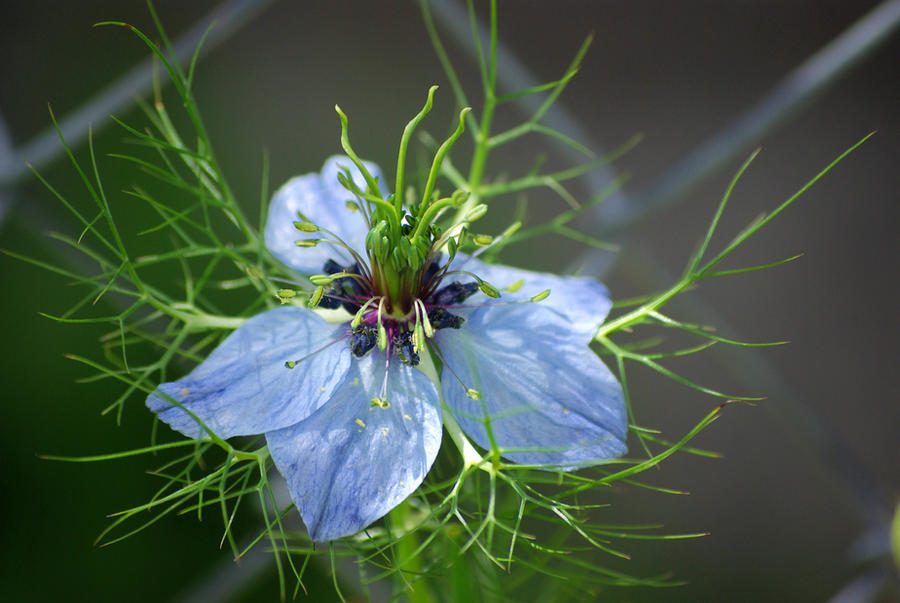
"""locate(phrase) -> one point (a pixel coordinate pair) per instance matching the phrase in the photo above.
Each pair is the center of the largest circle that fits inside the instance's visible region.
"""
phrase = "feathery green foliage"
(476, 518)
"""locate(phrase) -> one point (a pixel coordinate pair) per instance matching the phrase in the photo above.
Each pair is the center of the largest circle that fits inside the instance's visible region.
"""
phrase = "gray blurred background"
(796, 508)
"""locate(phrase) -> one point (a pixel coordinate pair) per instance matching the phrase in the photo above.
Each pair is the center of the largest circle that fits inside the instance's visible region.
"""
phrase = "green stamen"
(357, 318)
(323, 279)
(488, 289)
(316, 297)
(285, 294)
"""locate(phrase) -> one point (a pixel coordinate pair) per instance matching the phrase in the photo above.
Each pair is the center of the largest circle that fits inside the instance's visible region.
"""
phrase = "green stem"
(482, 140)
(638, 313)
(195, 319)
(470, 456)
(408, 561)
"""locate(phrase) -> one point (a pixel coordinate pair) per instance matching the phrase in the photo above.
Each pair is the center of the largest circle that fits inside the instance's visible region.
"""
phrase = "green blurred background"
(785, 521)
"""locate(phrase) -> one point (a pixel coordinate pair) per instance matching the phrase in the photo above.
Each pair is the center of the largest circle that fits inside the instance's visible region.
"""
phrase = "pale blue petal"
(582, 300)
(352, 462)
(244, 388)
(322, 199)
(335, 164)
(543, 389)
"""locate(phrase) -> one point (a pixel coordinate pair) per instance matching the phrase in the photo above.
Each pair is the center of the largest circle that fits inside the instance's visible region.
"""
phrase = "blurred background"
(797, 507)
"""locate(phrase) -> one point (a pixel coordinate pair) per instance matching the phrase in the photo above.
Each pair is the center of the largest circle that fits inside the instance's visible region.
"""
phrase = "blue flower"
(351, 421)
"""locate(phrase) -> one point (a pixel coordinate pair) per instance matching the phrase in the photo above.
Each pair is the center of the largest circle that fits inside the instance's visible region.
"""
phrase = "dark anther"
(328, 302)
(454, 293)
(362, 340)
(430, 272)
(332, 267)
(441, 319)
(342, 290)
(403, 346)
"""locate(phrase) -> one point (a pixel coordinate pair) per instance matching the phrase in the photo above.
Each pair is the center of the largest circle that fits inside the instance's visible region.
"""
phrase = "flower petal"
(582, 300)
(244, 387)
(545, 395)
(322, 199)
(351, 462)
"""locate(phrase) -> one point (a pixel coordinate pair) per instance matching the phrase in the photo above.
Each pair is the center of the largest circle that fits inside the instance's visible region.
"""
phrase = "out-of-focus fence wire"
(808, 80)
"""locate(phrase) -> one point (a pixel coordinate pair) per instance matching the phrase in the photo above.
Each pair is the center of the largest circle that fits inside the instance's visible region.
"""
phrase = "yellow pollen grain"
(321, 389)
(384, 431)
(355, 381)
(407, 417)
(360, 423)
(184, 392)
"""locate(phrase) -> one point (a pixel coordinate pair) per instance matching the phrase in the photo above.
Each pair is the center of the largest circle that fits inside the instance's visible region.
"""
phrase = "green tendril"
(441, 153)
(404, 143)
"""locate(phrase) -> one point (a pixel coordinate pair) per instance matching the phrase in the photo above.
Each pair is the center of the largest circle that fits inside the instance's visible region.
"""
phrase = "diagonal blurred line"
(513, 75)
(6, 155)
(865, 588)
(844, 471)
(227, 580)
(794, 92)
(849, 478)
(227, 18)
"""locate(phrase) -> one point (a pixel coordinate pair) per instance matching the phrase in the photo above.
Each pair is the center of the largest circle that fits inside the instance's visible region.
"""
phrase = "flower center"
(400, 333)
(393, 286)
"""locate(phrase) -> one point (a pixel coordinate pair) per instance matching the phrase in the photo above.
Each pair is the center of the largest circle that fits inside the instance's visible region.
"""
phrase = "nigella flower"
(351, 421)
